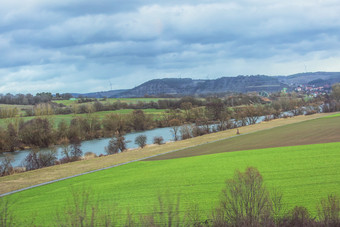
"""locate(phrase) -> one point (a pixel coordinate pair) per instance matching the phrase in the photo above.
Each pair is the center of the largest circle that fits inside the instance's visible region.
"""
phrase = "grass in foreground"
(304, 174)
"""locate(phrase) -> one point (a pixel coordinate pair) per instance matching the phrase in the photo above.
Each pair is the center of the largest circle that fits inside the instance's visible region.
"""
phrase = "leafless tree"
(6, 167)
(245, 201)
(329, 211)
(141, 141)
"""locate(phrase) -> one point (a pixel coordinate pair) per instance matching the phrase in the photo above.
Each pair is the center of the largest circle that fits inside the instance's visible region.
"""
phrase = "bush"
(6, 167)
(79, 211)
(245, 201)
(89, 155)
(37, 132)
(186, 132)
(299, 216)
(37, 159)
(329, 211)
(116, 144)
(158, 140)
(141, 140)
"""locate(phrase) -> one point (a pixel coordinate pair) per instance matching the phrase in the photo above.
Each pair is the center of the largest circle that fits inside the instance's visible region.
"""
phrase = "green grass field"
(304, 174)
(100, 115)
(322, 130)
(333, 115)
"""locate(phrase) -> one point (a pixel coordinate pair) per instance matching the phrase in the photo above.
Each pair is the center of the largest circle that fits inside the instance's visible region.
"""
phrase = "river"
(97, 146)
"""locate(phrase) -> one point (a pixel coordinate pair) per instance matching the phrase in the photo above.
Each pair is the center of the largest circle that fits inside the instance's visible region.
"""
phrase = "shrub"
(116, 144)
(141, 140)
(245, 201)
(299, 216)
(37, 159)
(158, 140)
(6, 167)
(186, 132)
(89, 155)
(329, 211)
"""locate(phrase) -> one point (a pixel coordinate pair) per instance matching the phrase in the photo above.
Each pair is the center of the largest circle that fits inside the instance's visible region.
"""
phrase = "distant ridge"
(238, 84)
(101, 94)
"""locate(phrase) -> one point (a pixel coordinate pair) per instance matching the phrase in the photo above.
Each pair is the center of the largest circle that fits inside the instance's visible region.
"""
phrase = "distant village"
(313, 90)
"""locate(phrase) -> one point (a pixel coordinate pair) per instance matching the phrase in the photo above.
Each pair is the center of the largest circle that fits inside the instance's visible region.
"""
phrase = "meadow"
(304, 174)
(100, 115)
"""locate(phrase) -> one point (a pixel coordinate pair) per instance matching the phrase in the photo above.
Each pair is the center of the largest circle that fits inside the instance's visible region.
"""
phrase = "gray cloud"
(78, 46)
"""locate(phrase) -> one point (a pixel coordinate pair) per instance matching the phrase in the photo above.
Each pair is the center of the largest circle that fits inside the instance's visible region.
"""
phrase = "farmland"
(100, 115)
(304, 174)
(308, 132)
(26, 179)
(309, 170)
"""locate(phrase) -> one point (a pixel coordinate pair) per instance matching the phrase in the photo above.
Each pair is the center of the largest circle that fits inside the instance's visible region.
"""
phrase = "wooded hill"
(239, 84)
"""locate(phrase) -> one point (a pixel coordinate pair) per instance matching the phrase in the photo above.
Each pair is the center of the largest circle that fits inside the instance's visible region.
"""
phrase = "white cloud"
(79, 46)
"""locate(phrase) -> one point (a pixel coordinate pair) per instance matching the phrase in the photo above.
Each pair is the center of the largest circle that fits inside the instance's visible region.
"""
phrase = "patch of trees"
(244, 201)
(64, 96)
(28, 99)
(332, 101)
(187, 121)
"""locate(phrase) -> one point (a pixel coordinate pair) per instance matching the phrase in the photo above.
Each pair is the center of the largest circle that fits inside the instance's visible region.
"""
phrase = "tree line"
(187, 121)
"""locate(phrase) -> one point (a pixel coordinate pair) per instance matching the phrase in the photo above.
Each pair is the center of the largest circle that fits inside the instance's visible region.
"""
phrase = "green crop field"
(304, 174)
(320, 130)
(68, 117)
(333, 115)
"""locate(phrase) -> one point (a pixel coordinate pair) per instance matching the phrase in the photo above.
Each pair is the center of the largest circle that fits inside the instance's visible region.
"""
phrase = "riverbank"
(26, 179)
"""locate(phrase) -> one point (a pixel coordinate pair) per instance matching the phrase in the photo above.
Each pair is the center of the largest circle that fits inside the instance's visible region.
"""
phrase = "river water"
(97, 146)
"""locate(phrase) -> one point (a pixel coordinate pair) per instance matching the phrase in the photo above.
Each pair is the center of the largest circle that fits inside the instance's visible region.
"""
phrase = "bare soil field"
(322, 130)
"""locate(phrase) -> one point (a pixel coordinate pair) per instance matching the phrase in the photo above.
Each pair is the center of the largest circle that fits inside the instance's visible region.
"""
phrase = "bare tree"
(80, 210)
(6, 167)
(329, 211)
(175, 125)
(37, 159)
(116, 144)
(158, 140)
(245, 201)
(141, 141)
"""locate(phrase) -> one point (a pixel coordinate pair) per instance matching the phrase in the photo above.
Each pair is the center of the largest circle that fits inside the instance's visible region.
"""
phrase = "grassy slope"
(309, 132)
(303, 173)
(22, 180)
(333, 115)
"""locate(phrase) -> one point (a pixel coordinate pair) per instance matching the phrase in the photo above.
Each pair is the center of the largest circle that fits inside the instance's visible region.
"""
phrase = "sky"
(86, 46)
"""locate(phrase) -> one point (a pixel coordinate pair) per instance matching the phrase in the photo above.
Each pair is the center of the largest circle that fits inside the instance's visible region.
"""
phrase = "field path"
(23, 181)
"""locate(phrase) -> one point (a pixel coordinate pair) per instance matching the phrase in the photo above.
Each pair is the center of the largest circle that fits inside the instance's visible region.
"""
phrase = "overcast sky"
(84, 45)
